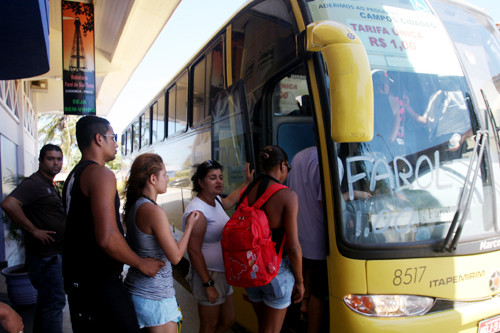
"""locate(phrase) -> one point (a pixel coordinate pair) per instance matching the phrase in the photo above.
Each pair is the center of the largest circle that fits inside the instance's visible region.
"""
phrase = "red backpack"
(250, 258)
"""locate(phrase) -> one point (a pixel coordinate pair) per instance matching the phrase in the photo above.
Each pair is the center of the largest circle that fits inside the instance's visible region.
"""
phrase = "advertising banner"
(78, 58)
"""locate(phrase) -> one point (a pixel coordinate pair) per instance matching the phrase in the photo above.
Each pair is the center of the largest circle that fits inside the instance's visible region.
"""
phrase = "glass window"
(145, 128)
(171, 110)
(154, 122)
(128, 141)
(216, 73)
(291, 95)
(181, 102)
(158, 124)
(135, 135)
(403, 187)
(230, 136)
(262, 43)
(478, 45)
(8, 167)
(124, 144)
(199, 93)
(159, 114)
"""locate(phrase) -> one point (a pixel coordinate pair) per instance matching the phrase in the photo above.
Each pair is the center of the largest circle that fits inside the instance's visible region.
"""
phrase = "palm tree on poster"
(60, 130)
(81, 10)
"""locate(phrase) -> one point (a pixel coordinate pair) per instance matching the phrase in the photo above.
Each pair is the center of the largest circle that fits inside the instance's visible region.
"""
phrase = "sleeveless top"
(216, 220)
(161, 285)
(277, 234)
(83, 259)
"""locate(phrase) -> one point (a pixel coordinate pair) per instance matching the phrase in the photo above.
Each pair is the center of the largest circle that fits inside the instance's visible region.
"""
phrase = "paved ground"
(186, 301)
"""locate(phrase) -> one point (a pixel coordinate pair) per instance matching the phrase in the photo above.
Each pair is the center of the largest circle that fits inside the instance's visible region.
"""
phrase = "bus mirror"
(351, 87)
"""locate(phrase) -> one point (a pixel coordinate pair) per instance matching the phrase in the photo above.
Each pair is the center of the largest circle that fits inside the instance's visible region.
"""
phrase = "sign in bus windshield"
(394, 38)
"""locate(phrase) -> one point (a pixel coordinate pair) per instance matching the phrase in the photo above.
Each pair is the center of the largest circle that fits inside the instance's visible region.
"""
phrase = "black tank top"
(83, 259)
(262, 180)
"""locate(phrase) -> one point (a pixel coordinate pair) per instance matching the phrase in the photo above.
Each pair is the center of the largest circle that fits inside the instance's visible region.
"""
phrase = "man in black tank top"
(95, 248)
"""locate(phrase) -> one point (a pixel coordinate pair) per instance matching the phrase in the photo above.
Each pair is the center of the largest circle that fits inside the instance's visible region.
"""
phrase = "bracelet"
(209, 283)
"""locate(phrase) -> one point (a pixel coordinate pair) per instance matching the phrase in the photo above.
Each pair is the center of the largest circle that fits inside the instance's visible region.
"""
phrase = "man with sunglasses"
(95, 248)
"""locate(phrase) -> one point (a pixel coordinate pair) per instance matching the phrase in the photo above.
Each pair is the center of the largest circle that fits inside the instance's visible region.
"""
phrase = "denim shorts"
(152, 312)
(277, 294)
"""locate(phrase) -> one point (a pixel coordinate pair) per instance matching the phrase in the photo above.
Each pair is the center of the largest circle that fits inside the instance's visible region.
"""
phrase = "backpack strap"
(267, 194)
(263, 184)
(280, 253)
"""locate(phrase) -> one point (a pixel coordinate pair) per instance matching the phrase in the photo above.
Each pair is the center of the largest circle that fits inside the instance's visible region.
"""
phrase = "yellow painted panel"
(459, 278)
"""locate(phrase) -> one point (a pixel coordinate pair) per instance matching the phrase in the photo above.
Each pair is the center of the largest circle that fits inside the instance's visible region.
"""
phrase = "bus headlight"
(389, 305)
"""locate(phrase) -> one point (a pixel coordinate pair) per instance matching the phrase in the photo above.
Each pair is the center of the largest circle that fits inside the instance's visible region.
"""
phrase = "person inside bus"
(271, 301)
(400, 128)
(149, 235)
(389, 116)
(207, 277)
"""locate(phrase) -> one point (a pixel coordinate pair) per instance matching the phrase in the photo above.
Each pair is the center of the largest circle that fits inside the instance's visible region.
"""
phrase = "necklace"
(145, 196)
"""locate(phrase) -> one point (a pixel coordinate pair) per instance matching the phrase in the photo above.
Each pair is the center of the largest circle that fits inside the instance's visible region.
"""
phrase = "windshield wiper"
(492, 119)
(465, 198)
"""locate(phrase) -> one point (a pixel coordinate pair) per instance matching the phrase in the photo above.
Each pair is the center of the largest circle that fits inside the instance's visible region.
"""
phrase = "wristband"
(208, 284)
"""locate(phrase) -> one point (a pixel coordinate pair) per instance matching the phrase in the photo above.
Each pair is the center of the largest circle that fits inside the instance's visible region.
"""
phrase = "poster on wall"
(78, 58)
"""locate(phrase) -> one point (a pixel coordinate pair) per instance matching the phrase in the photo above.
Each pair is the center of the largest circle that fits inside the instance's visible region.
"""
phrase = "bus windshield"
(405, 187)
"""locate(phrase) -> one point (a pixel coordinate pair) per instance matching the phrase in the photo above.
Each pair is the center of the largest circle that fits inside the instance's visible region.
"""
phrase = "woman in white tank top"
(208, 280)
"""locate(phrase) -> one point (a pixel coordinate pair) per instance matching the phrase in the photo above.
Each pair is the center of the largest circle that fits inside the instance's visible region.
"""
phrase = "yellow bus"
(400, 98)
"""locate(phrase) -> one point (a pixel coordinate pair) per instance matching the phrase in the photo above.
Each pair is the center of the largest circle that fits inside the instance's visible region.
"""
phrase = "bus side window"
(171, 111)
(135, 135)
(124, 144)
(128, 141)
(208, 81)
(181, 104)
(158, 120)
(199, 92)
(145, 128)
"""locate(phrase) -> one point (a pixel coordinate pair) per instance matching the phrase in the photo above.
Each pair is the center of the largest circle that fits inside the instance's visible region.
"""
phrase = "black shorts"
(318, 277)
(106, 307)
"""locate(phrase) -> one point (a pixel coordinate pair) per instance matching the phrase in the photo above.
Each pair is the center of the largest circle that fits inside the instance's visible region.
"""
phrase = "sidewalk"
(186, 301)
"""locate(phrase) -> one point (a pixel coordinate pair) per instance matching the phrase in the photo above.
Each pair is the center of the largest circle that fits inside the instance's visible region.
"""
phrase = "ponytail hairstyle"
(142, 168)
(269, 157)
(202, 171)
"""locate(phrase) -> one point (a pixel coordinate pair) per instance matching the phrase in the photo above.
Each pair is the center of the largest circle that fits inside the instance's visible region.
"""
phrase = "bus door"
(292, 122)
(231, 135)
